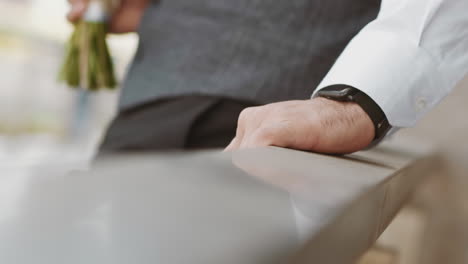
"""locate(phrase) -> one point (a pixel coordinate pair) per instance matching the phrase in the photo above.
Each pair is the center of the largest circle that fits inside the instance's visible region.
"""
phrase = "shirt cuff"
(401, 77)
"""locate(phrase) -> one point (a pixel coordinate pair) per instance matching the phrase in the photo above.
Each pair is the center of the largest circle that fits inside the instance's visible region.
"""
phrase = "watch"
(345, 93)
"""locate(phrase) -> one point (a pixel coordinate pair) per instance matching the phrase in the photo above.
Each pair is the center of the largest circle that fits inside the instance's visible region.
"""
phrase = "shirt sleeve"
(408, 59)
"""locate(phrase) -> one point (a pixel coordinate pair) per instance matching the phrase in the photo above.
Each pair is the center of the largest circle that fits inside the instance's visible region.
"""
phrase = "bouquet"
(88, 63)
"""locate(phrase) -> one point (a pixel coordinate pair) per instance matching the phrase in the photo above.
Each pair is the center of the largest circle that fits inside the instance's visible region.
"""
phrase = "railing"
(256, 206)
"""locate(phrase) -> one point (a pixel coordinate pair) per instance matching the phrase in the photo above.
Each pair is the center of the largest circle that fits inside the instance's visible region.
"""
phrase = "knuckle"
(246, 114)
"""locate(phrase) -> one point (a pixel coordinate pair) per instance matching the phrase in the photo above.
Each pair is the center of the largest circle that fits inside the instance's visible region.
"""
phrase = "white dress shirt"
(409, 58)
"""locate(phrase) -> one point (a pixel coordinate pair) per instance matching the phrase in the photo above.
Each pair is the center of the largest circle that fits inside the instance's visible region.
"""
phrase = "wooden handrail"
(267, 205)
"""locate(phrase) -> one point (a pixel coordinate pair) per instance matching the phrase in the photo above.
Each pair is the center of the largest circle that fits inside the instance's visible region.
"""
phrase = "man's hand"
(319, 125)
(126, 18)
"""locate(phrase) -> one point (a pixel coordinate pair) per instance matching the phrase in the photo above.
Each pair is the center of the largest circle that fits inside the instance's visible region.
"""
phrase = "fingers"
(128, 15)
(241, 125)
(233, 145)
(267, 135)
(254, 130)
(126, 19)
(78, 8)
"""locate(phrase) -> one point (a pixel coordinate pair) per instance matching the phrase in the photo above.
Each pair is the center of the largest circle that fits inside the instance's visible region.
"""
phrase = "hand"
(319, 125)
(126, 18)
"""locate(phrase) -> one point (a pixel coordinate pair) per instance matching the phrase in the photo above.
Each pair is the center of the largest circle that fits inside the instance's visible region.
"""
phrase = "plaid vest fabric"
(257, 50)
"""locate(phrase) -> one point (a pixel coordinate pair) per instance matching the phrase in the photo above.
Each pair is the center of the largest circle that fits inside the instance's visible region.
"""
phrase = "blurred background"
(42, 119)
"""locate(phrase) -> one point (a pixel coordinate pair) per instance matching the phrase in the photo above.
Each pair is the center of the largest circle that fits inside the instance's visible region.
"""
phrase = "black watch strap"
(346, 93)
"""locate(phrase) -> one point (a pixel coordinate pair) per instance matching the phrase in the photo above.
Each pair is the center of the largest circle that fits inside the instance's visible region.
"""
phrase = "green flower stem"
(88, 63)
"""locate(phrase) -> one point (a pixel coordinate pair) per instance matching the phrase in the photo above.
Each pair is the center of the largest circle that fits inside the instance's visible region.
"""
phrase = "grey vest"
(256, 50)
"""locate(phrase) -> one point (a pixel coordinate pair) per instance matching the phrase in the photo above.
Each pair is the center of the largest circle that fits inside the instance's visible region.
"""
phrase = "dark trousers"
(179, 123)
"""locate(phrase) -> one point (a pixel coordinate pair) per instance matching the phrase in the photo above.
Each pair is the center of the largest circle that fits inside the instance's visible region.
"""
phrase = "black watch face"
(336, 92)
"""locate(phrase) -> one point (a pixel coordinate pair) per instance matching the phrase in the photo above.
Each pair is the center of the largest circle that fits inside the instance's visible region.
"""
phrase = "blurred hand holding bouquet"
(88, 63)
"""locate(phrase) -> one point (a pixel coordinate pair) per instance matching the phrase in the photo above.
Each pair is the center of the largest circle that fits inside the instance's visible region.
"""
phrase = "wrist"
(345, 126)
(346, 93)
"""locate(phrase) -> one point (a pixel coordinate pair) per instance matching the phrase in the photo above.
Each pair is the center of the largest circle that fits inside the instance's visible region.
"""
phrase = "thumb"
(78, 7)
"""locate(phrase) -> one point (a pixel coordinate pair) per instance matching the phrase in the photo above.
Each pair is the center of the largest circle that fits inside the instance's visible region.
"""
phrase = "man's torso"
(257, 50)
